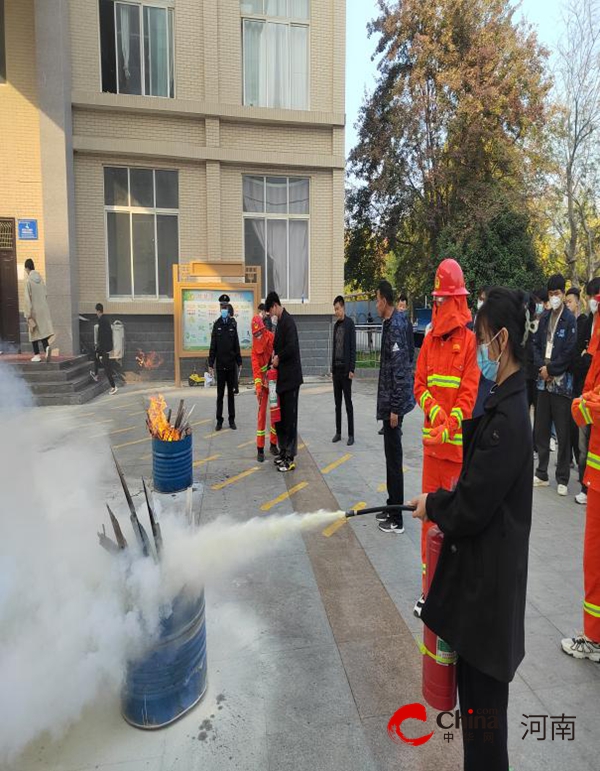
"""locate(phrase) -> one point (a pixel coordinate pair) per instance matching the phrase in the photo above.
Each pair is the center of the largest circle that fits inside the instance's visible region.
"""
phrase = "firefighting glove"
(437, 415)
(438, 436)
(454, 426)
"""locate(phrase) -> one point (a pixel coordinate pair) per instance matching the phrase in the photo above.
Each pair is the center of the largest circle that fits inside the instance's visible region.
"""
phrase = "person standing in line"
(395, 399)
(485, 385)
(225, 351)
(402, 306)
(553, 348)
(103, 348)
(286, 359)
(343, 365)
(573, 303)
(37, 312)
(262, 352)
(446, 388)
(262, 312)
(539, 297)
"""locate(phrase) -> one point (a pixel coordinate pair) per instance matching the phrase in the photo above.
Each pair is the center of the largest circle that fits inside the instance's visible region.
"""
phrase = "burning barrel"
(171, 679)
(172, 455)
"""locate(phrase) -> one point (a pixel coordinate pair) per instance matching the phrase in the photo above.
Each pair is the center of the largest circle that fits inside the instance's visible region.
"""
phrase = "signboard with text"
(28, 230)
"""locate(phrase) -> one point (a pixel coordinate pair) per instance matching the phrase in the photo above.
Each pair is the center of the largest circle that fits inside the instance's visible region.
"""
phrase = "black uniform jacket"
(476, 602)
(287, 347)
(225, 345)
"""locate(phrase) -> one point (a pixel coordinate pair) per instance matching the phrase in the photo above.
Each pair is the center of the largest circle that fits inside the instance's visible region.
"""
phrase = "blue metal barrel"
(171, 678)
(172, 465)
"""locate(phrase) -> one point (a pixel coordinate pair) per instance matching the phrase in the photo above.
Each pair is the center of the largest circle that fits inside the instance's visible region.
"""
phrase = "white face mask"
(593, 305)
(555, 302)
(274, 320)
(479, 304)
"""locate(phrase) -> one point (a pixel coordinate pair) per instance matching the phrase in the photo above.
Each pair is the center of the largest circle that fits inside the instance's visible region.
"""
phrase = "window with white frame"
(142, 231)
(137, 47)
(276, 233)
(275, 38)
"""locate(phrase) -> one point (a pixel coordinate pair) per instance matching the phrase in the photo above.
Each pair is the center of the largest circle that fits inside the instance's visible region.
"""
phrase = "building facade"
(143, 134)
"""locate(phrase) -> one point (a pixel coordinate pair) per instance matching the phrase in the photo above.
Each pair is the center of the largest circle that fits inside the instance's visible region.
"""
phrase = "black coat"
(225, 345)
(287, 347)
(105, 335)
(349, 345)
(582, 361)
(477, 599)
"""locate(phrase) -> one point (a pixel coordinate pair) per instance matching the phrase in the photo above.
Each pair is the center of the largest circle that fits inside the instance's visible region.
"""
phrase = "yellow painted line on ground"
(205, 460)
(216, 433)
(246, 444)
(284, 496)
(128, 444)
(202, 422)
(110, 433)
(237, 478)
(133, 414)
(336, 463)
(335, 526)
(146, 457)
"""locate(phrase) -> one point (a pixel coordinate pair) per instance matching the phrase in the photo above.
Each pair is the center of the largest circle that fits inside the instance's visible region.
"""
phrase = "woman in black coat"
(476, 602)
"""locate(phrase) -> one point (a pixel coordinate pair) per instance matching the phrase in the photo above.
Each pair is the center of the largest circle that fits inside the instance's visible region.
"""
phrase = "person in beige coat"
(37, 312)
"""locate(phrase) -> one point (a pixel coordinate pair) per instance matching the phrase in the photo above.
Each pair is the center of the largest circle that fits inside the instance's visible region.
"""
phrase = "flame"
(158, 425)
(151, 360)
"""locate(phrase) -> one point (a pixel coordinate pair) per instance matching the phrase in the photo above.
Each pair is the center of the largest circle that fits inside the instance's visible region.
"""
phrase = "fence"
(368, 346)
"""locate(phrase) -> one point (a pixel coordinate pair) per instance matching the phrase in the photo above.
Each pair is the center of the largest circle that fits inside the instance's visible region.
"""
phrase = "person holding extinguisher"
(446, 386)
(262, 352)
(476, 602)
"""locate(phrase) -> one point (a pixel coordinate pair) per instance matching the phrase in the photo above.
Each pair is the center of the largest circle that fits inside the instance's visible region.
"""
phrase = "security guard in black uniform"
(225, 350)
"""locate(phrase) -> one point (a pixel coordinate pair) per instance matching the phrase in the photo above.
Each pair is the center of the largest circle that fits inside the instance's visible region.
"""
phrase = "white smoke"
(72, 615)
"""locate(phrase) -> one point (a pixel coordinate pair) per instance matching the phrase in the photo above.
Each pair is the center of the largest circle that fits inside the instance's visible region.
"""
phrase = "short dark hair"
(483, 290)
(541, 294)
(271, 300)
(593, 287)
(261, 307)
(230, 309)
(339, 299)
(100, 307)
(385, 290)
(575, 291)
(29, 264)
(557, 281)
(506, 308)
(402, 298)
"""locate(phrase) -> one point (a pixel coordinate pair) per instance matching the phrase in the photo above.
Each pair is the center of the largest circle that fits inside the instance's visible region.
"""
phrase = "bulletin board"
(196, 308)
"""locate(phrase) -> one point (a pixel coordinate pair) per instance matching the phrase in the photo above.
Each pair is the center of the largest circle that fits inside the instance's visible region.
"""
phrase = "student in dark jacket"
(103, 349)
(540, 298)
(286, 358)
(226, 356)
(343, 364)
(476, 602)
(553, 348)
(573, 303)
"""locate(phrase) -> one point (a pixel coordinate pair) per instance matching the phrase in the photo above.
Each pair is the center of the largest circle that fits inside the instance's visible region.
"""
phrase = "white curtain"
(277, 195)
(299, 67)
(254, 194)
(156, 51)
(255, 63)
(254, 234)
(298, 259)
(277, 256)
(125, 38)
(279, 65)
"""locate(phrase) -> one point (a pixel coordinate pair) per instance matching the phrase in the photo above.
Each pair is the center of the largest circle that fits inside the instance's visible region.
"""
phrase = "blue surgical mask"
(539, 309)
(489, 369)
(224, 314)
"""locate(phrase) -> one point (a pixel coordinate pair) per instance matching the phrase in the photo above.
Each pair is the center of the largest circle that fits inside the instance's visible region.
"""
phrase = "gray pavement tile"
(551, 591)
(322, 748)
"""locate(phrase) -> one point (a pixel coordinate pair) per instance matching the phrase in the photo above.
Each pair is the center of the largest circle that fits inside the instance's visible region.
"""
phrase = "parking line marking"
(128, 444)
(335, 526)
(237, 478)
(246, 444)
(336, 463)
(216, 433)
(383, 486)
(201, 422)
(205, 460)
(146, 457)
(284, 496)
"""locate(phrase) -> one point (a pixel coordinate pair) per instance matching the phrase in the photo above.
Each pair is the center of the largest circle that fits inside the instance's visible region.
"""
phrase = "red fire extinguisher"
(439, 660)
(273, 398)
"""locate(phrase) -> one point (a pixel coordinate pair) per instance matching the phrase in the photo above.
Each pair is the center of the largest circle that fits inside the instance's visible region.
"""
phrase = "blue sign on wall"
(28, 230)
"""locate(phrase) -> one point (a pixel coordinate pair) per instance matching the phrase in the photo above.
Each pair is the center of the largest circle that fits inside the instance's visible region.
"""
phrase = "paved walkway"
(312, 649)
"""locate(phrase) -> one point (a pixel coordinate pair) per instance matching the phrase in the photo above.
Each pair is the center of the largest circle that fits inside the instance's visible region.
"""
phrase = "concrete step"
(41, 373)
(91, 391)
(63, 364)
(71, 385)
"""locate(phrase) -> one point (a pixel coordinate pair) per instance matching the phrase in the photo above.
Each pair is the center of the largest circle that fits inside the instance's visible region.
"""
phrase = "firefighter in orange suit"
(586, 412)
(262, 351)
(446, 383)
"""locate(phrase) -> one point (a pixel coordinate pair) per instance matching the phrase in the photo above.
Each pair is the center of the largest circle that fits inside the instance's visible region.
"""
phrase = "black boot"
(260, 455)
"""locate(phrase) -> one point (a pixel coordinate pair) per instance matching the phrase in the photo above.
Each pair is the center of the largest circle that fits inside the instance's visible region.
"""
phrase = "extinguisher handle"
(377, 509)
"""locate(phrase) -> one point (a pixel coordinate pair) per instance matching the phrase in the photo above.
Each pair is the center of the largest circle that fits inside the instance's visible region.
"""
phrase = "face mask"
(440, 300)
(539, 308)
(479, 304)
(224, 313)
(489, 368)
(274, 320)
(555, 302)
(593, 305)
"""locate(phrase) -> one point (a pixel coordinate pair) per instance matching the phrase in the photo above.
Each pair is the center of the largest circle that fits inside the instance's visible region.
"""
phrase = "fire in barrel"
(172, 465)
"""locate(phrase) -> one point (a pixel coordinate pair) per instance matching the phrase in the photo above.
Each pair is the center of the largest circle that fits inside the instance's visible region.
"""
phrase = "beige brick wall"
(20, 170)
(91, 237)
(119, 125)
(286, 139)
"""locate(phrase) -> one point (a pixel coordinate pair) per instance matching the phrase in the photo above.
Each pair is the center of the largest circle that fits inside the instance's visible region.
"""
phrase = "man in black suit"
(225, 352)
(343, 364)
(286, 359)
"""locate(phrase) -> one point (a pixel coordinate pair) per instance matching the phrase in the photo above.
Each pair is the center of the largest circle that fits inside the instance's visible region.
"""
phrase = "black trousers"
(36, 345)
(226, 377)
(485, 749)
(342, 384)
(532, 393)
(552, 408)
(287, 427)
(392, 445)
(584, 443)
(107, 364)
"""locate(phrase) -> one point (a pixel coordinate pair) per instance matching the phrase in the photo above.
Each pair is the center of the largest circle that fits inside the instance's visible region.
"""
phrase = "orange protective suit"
(586, 412)
(446, 383)
(262, 351)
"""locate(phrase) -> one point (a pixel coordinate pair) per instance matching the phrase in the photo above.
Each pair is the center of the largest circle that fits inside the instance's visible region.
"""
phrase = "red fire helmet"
(449, 280)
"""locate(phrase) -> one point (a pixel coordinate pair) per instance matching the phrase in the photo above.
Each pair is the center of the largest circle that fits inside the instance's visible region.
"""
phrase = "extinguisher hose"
(376, 509)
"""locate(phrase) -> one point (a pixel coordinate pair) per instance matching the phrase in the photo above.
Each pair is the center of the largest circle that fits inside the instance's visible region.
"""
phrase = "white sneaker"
(581, 648)
(113, 391)
(552, 444)
(581, 498)
(562, 490)
(537, 482)
(36, 358)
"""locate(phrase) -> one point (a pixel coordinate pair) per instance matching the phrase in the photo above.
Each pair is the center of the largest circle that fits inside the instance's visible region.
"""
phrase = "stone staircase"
(63, 381)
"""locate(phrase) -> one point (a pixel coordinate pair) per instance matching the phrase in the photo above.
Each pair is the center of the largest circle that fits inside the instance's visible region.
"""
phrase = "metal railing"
(368, 346)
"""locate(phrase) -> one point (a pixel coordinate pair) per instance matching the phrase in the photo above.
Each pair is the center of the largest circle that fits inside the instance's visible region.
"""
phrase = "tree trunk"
(571, 249)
